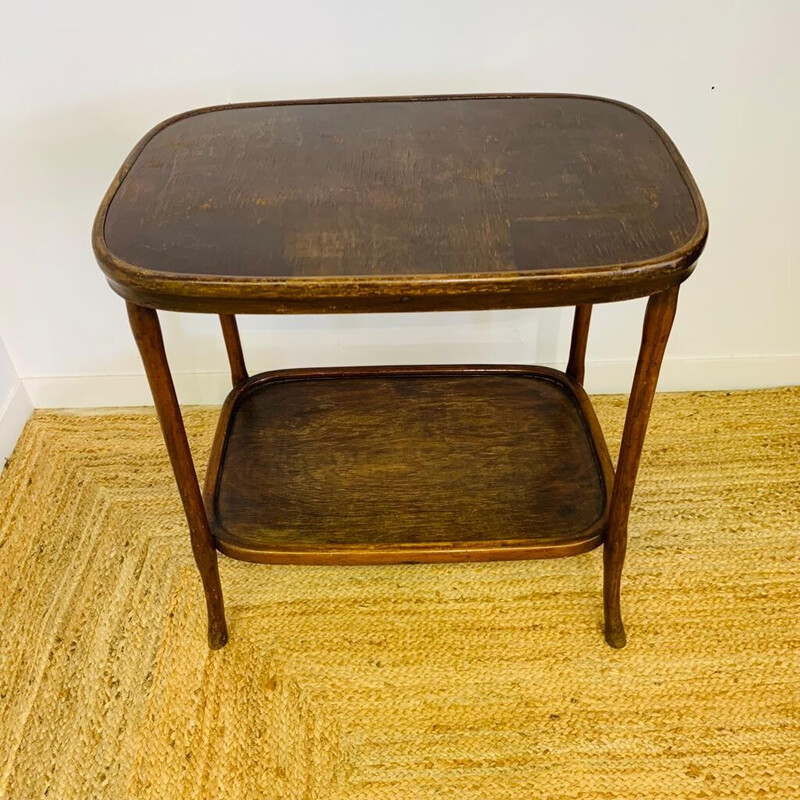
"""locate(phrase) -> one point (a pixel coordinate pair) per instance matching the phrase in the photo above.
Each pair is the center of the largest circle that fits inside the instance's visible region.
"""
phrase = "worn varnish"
(402, 464)
(401, 204)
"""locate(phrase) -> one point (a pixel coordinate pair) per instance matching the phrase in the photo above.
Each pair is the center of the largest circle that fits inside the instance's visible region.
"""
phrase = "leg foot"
(217, 633)
(615, 633)
(217, 626)
(613, 559)
(209, 573)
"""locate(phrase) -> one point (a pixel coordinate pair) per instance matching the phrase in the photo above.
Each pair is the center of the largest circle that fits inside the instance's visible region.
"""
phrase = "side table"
(404, 204)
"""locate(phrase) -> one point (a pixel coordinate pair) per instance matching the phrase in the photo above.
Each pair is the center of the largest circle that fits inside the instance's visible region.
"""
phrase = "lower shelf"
(407, 464)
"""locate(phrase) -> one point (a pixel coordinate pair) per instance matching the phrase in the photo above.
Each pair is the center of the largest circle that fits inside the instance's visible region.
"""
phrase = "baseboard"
(602, 377)
(15, 411)
(699, 374)
(97, 391)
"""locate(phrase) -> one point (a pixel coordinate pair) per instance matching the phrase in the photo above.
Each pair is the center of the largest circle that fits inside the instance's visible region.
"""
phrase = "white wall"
(15, 406)
(82, 81)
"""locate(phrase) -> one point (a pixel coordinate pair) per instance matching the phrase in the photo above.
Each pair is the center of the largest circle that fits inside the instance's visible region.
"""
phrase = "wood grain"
(361, 465)
(401, 204)
(147, 332)
(658, 320)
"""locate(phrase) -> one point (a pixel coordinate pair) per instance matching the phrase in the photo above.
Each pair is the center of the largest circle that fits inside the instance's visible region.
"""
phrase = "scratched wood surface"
(243, 199)
(386, 460)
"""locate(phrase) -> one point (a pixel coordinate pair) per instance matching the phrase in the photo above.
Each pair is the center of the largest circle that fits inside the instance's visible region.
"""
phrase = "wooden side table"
(404, 204)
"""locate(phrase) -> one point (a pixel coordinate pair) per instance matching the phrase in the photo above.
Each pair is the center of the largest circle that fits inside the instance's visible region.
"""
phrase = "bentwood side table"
(404, 204)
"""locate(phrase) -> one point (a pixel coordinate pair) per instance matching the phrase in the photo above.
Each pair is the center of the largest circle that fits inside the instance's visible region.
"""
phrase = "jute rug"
(452, 681)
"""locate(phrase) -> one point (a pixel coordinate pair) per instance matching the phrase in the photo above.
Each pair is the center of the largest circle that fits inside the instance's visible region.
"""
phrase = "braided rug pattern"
(440, 681)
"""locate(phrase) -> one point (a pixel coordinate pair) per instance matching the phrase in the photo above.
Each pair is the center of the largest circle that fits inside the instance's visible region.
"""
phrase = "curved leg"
(576, 367)
(657, 324)
(233, 344)
(147, 331)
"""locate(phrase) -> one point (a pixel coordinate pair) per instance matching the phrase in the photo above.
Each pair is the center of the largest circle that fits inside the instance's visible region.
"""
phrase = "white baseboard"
(602, 377)
(97, 391)
(699, 374)
(15, 410)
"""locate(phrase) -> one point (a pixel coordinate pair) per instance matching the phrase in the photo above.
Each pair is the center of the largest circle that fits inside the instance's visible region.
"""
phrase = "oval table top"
(400, 204)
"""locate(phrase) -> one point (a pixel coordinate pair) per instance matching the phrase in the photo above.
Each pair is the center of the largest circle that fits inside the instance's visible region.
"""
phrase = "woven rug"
(439, 681)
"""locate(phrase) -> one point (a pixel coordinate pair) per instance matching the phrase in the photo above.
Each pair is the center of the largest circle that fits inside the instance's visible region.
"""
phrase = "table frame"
(658, 319)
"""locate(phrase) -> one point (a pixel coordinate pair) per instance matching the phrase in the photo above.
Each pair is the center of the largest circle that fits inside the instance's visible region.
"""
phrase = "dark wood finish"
(657, 325)
(400, 204)
(576, 367)
(233, 344)
(404, 204)
(407, 464)
(147, 331)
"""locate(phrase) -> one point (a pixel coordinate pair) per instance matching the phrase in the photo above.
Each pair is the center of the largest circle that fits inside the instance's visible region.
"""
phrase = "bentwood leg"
(657, 324)
(576, 366)
(146, 329)
(233, 344)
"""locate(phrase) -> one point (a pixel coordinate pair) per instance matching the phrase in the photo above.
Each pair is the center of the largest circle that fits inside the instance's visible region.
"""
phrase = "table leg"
(657, 324)
(147, 331)
(576, 366)
(233, 344)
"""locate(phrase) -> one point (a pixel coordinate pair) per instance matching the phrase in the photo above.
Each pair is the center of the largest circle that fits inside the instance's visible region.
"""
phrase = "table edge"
(405, 293)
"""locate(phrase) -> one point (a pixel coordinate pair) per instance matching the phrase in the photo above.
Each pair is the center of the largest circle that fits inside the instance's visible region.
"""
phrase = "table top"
(400, 204)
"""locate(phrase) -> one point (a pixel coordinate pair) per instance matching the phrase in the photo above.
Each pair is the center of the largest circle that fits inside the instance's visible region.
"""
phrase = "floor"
(440, 681)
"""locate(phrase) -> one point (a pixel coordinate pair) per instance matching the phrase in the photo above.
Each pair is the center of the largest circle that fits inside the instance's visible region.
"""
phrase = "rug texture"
(444, 681)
